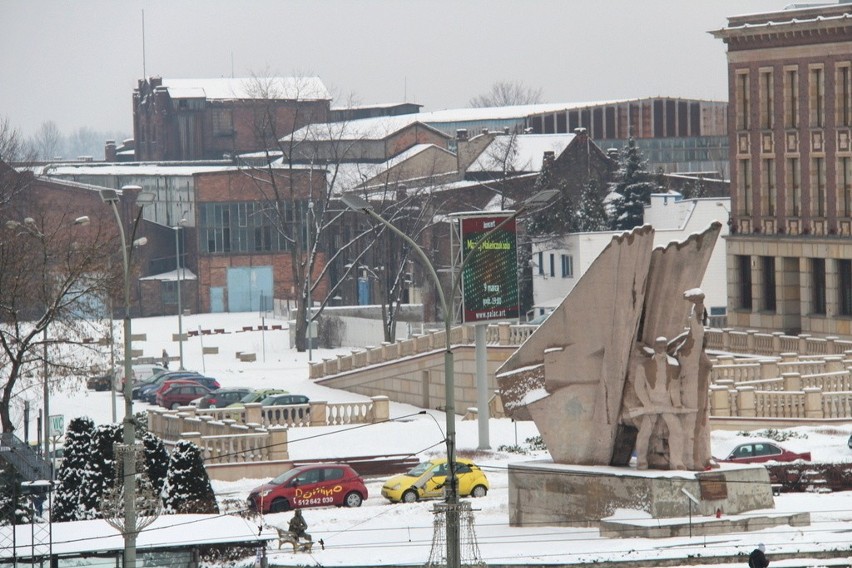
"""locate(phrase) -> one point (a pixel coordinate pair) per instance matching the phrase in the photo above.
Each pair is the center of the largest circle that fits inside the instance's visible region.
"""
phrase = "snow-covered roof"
(798, 15)
(517, 111)
(375, 128)
(87, 537)
(276, 88)
(375, 105)
(130, 169)
(525, 152)
(352, 174)
(172, 276)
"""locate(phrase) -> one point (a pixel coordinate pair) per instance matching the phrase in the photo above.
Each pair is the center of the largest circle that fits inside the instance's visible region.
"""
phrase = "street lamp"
(361, 205)
(110, 196)
(177, 229)
(308, 265)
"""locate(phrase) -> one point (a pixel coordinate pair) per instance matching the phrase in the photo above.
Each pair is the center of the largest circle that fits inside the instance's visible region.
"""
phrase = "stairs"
(22, 458)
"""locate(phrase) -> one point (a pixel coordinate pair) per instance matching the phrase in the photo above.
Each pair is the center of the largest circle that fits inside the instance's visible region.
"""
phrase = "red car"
(180, 393)
(759, 452)
(316, 485)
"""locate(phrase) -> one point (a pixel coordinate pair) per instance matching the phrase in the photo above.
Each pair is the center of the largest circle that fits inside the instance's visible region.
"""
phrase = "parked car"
(764, 451)
(256, 396)
(211, 384)
(100, 382)
(285, 400)
(180, 393)
(316, 485)
(221, 397)
(154, 382)
(426, 481)
(849, 442)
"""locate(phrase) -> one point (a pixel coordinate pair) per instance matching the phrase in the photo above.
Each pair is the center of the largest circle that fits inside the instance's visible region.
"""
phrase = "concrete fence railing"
(503, 333)
(255, 437)
(752, 342)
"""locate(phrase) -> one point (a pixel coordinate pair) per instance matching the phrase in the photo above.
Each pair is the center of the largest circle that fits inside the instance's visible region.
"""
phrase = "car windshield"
(286, 476)
(420, 469)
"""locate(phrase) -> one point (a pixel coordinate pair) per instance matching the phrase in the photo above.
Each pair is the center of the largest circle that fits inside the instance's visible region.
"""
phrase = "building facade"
(559, 264)
(200, 119)
(789, 257)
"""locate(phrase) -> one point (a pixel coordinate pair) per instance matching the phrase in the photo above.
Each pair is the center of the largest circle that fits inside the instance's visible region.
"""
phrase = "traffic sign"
(57, 425)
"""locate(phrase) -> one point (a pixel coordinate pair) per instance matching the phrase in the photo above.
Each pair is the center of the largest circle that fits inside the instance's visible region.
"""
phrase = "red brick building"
(245, 253)
(790, 128)
(197, 119)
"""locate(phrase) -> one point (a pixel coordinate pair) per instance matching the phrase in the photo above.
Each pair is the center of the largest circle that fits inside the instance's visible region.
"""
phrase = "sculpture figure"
(658, 390)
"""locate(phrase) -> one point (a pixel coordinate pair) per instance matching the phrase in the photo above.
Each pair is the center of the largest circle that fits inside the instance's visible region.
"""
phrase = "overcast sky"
(76, 63)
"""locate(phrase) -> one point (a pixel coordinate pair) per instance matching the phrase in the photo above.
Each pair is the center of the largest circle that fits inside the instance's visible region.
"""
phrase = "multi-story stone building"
(789, 257)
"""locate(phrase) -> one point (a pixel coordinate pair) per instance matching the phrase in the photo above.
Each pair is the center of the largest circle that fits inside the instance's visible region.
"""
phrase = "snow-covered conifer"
(74, 473)
(187, 488)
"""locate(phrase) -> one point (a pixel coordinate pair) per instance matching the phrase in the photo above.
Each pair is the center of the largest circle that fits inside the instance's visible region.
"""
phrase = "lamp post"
(110, 196)
(177, 229)
(309, 332)
(356, 203)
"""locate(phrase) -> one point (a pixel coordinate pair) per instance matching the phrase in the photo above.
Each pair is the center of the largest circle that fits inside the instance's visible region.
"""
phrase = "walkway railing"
(503, 334)
(255, 437)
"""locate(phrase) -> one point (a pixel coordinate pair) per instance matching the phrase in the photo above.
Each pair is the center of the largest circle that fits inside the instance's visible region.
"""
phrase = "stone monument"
(618, 369)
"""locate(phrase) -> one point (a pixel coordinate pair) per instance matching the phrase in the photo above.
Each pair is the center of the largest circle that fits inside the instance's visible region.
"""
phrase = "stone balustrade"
(753, 342)
(502, 333)
(255, 436)
(748, 402)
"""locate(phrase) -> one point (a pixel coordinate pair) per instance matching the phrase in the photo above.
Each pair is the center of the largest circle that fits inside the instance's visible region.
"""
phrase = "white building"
(558, 265)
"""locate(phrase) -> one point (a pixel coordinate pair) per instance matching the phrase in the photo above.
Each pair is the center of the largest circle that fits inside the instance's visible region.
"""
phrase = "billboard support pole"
(482, 411)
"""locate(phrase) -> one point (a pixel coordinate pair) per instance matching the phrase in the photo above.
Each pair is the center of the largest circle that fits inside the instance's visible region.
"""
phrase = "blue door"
(249, 287)
(217, 299)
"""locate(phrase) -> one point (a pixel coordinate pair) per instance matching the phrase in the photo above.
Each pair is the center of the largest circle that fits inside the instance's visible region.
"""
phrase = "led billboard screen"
(490, 276)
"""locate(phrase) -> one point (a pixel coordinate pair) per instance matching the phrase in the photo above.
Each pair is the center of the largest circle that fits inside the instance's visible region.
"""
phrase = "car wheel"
(279, 506)
(175, 405)
(353, 499)
(479, 491)
(409, 496)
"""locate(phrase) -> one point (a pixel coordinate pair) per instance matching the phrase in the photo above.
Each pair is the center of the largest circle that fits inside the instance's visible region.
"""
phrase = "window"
(818, 286)
(238, 227)
(844, 186)
(552, 265)
(168, 292)
(791, 98)
(818, 185)
(844, 95)
(816, 92)
(744, 269)
(567, 266)
(742, 98)
(541, 264)
(766, 99)
(768, 181)
(794, 187)
(844, 287)
(769, 283)
(222, 123)
(744, 175)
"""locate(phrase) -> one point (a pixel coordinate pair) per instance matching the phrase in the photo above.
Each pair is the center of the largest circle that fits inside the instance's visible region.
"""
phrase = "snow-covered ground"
(381, 533)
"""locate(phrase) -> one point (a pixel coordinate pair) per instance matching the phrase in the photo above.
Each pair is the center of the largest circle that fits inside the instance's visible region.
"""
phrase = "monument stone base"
(544, 493)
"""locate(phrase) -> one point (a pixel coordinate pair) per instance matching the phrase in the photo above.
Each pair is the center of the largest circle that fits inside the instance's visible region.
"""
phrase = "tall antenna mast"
(144, 70)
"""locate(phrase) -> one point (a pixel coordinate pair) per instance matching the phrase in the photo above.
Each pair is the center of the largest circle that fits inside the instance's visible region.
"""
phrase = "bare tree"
(52, 274)
(48, 141)
(507, 93)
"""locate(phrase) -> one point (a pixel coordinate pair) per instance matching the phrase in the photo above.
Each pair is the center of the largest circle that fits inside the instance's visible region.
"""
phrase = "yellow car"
(426, 481)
